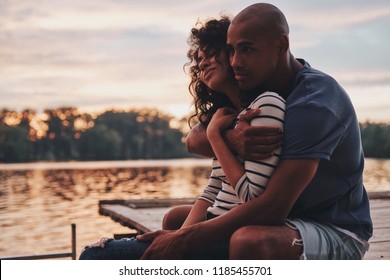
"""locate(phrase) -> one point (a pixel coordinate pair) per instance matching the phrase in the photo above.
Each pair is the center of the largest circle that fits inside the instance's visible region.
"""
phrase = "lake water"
(39, 201)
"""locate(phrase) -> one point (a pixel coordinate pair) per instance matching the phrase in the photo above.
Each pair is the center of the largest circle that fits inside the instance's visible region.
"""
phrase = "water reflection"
(70, 185)
(37, 205)
(377, 174)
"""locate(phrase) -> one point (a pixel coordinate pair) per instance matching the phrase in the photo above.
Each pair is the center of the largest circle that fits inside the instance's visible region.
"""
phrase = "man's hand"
(249, 142)
(165, 245)
(253, 142)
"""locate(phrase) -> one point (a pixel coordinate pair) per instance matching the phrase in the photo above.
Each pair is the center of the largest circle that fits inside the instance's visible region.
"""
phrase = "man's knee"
(247, 236)
(264, 242)
(242, 242)
(250, 242)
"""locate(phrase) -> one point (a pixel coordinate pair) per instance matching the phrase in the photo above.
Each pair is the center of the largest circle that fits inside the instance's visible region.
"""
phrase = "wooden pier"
(146, 215)
(142, 215)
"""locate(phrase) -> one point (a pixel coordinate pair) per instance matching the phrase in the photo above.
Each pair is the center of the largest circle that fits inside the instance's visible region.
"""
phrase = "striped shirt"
(219, 192)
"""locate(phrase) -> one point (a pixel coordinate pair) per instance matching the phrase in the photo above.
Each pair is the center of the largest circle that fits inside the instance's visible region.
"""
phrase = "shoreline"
(52, 165)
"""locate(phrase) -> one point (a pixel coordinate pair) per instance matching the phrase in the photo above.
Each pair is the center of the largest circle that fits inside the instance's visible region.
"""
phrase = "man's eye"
(247, 49)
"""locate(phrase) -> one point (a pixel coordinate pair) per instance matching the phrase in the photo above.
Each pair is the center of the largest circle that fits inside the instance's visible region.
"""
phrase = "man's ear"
(283, 43)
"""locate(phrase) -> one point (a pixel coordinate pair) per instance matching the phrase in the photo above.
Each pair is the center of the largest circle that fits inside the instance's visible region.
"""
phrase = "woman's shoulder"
(268, 98)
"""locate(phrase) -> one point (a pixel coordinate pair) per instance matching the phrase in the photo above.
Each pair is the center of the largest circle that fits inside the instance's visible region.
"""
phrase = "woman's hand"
(220, 121)
(253, 142)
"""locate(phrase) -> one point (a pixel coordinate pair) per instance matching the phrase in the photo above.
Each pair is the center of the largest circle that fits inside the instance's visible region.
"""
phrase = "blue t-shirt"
(321, 123)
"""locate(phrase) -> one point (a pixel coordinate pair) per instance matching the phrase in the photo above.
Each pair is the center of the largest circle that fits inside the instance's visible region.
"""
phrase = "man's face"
(253, 55)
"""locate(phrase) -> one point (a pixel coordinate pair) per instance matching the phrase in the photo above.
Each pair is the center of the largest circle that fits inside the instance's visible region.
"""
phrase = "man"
(315, 205)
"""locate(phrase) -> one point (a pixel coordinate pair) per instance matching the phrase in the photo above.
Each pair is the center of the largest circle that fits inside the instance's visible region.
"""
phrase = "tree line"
(64, 134)
(376, 139)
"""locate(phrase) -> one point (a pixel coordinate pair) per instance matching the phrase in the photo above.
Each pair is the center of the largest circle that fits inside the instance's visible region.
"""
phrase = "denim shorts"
(324, 242)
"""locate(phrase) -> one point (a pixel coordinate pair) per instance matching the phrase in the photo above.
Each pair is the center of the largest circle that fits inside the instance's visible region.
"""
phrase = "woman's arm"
(250, 178)
(205, 200)
(198, 213)
(232, 168)
(257, 173)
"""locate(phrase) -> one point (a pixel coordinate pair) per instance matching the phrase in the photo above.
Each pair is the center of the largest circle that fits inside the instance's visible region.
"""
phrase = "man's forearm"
(249, 142)
(197, 142)
(228, 136)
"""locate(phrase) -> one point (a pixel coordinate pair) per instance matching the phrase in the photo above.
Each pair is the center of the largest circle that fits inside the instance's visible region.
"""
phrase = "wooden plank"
(381, 223)
(379, 203)
(150, 219)
(380, 235)
(39, 257)
(379, 195)
(380, 241)
(143, 220)
(380, 213)
(378, 251)
(150, 203)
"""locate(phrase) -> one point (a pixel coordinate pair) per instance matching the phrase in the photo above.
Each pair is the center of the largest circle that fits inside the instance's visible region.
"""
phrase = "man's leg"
(298, 239)
(266, 243)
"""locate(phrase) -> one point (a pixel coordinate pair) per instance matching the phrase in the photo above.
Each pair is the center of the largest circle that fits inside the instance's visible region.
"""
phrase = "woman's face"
(216, 72)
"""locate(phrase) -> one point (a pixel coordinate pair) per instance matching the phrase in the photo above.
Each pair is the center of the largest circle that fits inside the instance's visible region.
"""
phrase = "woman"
(217, 101)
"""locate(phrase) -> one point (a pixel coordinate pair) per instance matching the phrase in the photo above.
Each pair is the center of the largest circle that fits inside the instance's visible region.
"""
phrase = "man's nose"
(234, 60)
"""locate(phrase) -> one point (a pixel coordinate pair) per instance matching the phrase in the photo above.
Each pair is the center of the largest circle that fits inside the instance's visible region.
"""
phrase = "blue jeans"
(132, 249)
(123, 249)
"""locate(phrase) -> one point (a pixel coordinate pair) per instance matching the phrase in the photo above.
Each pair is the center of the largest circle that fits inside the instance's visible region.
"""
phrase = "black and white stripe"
(255, 179)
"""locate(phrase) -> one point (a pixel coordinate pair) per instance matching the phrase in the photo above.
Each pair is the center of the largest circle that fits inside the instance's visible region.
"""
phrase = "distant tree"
(61, 133)
(3, 114)
(125, 124)
(15, 145)
(100, 143)
(66, 134)
(145, 134)
(376, 139)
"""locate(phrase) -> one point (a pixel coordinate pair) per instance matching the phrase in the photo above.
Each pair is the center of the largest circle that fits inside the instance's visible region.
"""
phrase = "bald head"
(259, 50)
(267, 17)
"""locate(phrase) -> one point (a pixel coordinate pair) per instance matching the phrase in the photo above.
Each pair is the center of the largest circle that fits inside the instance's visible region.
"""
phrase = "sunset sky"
(103, 54)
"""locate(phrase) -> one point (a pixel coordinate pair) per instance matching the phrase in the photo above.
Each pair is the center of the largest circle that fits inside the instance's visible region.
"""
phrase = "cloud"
(371, 103)
(95, 54)
(354, 53)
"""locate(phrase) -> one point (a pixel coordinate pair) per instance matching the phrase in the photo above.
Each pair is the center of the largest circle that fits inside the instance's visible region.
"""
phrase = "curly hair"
(209, 37)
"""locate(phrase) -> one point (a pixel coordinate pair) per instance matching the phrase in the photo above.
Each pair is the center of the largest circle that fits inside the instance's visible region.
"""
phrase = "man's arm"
(197, 142)
(249, 142)
(271, 208)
